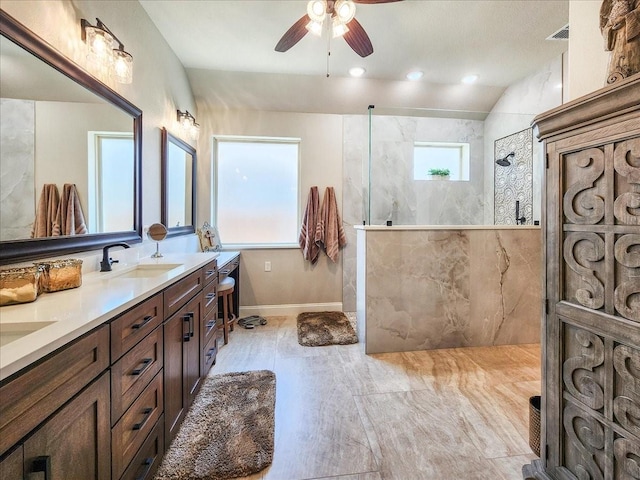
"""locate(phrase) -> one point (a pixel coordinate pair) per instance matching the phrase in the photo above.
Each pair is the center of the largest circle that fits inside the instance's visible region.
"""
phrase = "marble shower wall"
(396, 196)
(427, 289)
(394, 193)
(17, 160)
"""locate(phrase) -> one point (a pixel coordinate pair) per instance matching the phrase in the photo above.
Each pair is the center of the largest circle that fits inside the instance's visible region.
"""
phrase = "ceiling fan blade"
(293, 35)
(375, 1)
(358, 39)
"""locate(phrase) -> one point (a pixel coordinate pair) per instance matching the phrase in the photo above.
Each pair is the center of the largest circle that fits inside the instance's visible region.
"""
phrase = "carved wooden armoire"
(591, 327)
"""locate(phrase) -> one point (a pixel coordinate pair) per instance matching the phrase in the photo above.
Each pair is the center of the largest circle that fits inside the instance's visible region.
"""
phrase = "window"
(257, 190)
(451, 156)
(110, 181)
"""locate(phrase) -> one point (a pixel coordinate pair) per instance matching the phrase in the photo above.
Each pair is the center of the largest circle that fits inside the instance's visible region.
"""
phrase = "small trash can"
(534, 424)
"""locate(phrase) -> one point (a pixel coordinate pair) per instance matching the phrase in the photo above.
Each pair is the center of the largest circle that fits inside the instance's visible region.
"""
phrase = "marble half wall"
(423, 289)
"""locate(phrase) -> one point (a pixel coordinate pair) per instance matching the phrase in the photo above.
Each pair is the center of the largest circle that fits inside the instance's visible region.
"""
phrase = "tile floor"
(457, 414)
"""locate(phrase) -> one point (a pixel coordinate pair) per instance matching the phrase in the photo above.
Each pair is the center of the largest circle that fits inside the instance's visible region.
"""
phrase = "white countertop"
(74, 312)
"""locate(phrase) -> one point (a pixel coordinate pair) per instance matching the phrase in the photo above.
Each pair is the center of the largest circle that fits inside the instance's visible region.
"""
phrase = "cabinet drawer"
(29, 399)
(209, 353)
(178, 294)
(209, 326)
(132, 326)
(229, 267)
(210, 271)
(146, 462)
(135, 425)
(210, 301)
(133, 372)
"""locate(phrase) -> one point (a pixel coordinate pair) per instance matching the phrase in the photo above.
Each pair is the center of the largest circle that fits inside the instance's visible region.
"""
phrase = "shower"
(505, 162)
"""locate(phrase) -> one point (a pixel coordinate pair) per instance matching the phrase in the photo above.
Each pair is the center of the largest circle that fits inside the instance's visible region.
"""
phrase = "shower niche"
(513, 179)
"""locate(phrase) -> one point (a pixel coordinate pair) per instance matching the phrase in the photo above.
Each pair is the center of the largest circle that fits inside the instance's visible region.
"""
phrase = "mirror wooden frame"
(166, 139)
(28, 249)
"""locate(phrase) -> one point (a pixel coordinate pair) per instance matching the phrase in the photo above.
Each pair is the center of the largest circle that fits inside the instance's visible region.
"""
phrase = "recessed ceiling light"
(357, 71)
(469, 79)
(415, 75)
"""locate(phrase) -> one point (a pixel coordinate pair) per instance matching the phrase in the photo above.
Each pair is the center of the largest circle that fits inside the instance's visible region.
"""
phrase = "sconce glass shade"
(314, 28)
(100, 43)
(106, 55)
(188, 124)
(317, 10)
(122, 66)
(338, 29)
(345, 10)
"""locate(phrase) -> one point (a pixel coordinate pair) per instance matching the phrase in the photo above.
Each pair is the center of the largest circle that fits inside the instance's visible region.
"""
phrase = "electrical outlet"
(267, 266)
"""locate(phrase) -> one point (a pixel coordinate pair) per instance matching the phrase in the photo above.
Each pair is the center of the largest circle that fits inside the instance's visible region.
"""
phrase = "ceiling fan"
(341, 14)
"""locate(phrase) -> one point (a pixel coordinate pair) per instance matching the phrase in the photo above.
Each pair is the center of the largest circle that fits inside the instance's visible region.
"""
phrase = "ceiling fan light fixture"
(338, 29)
(315, 28)
(345, 10)
(317, 10)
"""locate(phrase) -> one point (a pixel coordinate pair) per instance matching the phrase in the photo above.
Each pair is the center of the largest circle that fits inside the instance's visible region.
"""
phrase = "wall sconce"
(188, 124)
(106, 52)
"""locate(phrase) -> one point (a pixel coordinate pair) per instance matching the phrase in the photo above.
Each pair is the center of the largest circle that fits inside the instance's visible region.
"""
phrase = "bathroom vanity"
(101, 389)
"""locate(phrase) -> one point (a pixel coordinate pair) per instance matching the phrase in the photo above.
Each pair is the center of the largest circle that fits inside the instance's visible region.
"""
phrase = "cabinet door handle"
(188, 318)
(210, 296)
(210, 272)
(42, 464)
(210, 324)
(225, 272)
(147, 413)
(145, 320)
(148, 462)
(146, 363)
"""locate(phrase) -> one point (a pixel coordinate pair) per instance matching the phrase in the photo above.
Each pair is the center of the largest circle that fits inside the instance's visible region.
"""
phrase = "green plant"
(440, 172)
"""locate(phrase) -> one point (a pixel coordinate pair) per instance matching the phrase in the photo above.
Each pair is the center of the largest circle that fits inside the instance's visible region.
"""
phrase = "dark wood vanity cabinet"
(591, 326)
(73, 443)
(182, 367)
(64, 400)
(107, 405)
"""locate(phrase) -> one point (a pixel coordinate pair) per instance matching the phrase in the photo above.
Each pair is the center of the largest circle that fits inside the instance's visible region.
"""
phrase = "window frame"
(215, 141)
(464, 149)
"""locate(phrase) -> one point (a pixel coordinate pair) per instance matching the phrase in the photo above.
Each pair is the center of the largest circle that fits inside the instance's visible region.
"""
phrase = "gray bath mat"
(316, 329)
(228, 431)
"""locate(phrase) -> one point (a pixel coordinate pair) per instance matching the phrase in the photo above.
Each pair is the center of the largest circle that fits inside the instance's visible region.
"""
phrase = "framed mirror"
(61, 126)
(178, 185)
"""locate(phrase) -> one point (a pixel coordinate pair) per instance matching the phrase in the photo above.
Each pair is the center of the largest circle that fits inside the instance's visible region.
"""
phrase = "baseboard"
(294, 309)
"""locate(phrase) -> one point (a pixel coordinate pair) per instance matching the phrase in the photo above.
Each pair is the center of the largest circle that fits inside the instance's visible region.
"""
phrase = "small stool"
(225, 291)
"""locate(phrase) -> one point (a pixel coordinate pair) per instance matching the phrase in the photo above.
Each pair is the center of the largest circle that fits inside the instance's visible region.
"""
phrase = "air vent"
(562, 34)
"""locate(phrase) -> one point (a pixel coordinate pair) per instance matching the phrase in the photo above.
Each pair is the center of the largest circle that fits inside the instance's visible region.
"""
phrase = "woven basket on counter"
(60, 275)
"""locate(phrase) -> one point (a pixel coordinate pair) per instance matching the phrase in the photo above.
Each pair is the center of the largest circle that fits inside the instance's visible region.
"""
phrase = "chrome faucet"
(105, 264)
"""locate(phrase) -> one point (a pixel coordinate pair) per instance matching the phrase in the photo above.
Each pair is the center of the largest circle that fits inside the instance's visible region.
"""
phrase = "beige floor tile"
(433, 415)
(417, 435)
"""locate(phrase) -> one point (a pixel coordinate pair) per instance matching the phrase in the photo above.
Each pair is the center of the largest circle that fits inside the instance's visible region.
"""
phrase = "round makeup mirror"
(157, 232)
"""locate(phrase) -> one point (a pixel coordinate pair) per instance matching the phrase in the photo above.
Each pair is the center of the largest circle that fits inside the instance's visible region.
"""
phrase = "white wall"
(292, 280)
(587, 58)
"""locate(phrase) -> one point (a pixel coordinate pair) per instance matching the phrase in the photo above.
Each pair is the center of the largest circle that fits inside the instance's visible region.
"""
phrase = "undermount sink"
(147, 270)
(10, 332)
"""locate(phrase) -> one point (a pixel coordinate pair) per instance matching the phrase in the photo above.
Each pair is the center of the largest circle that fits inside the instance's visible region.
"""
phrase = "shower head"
(505, 162)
